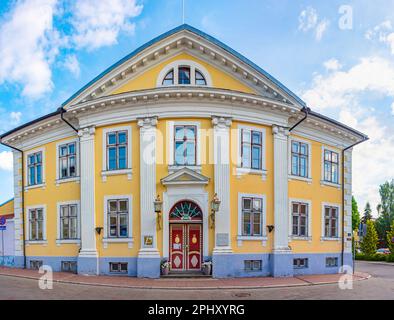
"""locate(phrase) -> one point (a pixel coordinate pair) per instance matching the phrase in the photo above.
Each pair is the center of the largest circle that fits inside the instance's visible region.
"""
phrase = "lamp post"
(158, 204)
(215, 205)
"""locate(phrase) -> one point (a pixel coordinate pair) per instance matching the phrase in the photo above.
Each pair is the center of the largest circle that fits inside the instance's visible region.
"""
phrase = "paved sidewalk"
(187, 284)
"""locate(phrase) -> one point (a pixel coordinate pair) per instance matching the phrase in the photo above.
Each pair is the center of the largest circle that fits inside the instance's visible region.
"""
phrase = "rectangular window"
(35, 264)
(117, 142)
(253, 265)
(331, 262)
(69, 266)
(184, 75)
(69, 222)
(251, 149)
(330, 222)
(185, 145)
(252, 216)
(299, 159)
(299, 219)
(34, 168)
(36, 224)
(331, 166)
(300, 263)
(67, 160)
(118, 267)
(118, 218)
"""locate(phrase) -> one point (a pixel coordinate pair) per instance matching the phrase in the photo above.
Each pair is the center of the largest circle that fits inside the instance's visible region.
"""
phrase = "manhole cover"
(242, 295)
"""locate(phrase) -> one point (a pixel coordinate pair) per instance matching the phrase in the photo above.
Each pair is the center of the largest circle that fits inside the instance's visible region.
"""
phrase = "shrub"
(390, 258)
(370, 240)
(390, 237)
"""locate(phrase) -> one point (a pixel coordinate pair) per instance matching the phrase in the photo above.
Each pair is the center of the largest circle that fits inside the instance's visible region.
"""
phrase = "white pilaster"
(347, 210)
(281, 215)
(148, 186)
(18, 221)
(221, 145)
(88, 223)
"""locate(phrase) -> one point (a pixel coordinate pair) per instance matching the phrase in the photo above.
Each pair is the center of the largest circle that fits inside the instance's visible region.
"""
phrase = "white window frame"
(240, 170)
(171, 144)
(106, 239)
(77, 170)
(58, 229)
(27, 154)
(128, 171)
(322, 181)
(339, 207)
(263, 238)
(309, 235)
(294, 177)
(44, 241)
(184, 63)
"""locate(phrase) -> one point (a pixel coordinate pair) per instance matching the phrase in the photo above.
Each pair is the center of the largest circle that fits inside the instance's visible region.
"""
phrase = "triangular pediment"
(193, 42)
(185, 176)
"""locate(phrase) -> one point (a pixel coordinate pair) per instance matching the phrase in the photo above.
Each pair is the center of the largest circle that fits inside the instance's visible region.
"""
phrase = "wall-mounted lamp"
(158, 204)
(270, 228)
(98, 230)
(215, 205)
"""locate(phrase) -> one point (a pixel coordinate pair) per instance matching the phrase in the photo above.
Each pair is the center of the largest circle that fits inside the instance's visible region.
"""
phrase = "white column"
(221, 136)
(347, 210)
(18, 221)
(88, 253)
(148, 186)
(281, 207)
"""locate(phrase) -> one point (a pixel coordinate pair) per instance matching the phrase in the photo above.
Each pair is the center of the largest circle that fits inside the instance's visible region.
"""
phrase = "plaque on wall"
(148, 241)
(222, 239)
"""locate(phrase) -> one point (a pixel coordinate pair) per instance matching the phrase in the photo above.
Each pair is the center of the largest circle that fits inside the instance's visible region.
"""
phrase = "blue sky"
(50, 48)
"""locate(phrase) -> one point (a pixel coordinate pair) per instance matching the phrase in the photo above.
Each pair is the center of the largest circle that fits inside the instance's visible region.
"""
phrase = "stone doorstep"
(196, 284)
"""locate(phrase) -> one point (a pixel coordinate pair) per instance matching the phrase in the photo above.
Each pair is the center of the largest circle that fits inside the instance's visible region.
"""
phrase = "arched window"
(169, 78)
(186, 211)
(184, 75)
(200, 79)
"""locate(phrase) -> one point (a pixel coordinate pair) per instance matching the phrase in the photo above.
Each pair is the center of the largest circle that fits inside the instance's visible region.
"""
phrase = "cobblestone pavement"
(380, 286)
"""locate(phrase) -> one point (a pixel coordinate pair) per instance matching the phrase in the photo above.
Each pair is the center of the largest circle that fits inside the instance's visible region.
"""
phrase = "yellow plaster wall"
(7, 208)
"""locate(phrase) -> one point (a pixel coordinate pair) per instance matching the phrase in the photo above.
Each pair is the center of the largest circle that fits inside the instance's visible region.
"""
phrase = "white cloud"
(6, 160)
(308, 20)
(28, 44)
(15, 117)
(340, 94)
(384, 33)
(71, 64)
(332, 65)
(98, 23)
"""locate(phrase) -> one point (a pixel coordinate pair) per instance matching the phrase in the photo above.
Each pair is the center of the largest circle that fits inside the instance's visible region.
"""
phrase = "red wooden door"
(177, 247)
(194, 246)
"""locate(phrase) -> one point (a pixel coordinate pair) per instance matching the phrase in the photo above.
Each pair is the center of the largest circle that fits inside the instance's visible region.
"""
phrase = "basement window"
(253, 265)
(118, 267)
(69, 266)
(300, 263)
(35, 264)
(331, 262)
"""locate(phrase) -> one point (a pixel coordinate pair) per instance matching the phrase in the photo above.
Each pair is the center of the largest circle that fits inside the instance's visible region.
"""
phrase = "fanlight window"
(184, 75)
(186, 211)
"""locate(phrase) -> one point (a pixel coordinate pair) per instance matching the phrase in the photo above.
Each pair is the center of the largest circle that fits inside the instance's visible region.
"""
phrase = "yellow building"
(183, 118)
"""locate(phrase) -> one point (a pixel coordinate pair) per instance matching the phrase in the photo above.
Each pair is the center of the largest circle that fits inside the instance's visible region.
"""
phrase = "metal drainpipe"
(306, 111)
(343, 197)
(68, 123)
(23, 200)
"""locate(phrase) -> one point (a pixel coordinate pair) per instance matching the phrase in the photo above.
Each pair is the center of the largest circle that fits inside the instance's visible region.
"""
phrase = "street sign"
(3, 228)
(2, 221)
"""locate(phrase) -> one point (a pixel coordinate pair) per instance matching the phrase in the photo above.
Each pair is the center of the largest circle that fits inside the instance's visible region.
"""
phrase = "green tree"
(390, 238)
(355, 214)
(370, 240)
(385, 211)
(367, 213)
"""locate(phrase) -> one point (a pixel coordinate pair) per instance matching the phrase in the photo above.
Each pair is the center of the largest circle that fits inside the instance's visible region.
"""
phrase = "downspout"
(306, 111)
(67, 122)
(343, 198)
(22, 198)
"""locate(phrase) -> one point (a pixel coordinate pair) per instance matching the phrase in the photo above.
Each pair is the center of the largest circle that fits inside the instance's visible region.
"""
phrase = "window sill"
(36, 242)
(263, 239)
(64, 241)
(105, 174)
(68, 180)
(243, 171)
(36, 186)
(330, 239)
(296, 238)
(330, 184)
(292, 177)
(129, 241)
(175, 168)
